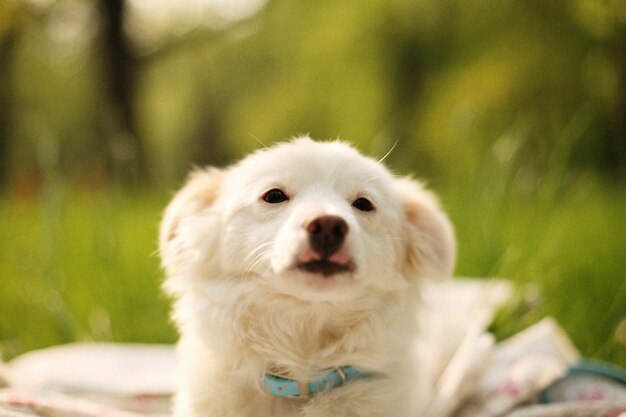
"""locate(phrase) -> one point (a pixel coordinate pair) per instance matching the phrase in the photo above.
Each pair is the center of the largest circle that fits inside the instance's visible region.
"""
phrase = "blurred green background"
(514, 110)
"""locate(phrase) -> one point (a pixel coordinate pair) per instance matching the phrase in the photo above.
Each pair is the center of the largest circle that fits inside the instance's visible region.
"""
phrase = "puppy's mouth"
(325, 267)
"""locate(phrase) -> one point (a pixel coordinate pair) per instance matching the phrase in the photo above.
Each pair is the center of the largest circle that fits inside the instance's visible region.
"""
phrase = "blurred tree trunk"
(617, 140)
(207, 146)
(125, 148)
(7, 47)
(412, 55)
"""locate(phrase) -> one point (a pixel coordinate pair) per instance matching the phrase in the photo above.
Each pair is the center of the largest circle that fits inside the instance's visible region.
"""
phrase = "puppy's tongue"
(309, 255)
(339, 257)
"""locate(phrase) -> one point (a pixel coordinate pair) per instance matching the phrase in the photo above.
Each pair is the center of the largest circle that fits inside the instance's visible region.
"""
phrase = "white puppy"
(296, 275)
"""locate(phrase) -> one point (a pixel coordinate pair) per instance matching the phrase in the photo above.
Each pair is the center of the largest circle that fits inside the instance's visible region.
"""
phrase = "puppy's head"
(315, 220)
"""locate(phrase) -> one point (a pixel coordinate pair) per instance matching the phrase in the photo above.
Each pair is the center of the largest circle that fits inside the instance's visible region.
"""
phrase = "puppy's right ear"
(198, 194)
(431, 247)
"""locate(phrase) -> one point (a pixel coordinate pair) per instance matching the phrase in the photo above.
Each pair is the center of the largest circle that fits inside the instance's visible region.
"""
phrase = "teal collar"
(291, 388)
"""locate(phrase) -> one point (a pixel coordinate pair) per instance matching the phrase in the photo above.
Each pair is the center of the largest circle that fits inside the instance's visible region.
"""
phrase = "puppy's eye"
(275, 196)
(363, 204)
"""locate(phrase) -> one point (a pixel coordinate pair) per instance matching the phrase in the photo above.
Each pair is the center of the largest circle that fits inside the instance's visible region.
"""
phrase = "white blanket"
(474, 376)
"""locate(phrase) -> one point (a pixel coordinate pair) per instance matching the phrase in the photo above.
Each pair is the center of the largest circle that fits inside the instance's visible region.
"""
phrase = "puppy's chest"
(292, 337)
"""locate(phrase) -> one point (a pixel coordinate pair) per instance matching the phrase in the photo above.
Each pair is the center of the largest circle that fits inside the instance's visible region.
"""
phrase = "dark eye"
(275, 196)
(363, 204)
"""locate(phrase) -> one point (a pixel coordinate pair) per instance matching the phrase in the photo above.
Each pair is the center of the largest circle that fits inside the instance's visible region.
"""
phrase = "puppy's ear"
(198, 194)
(431, 247)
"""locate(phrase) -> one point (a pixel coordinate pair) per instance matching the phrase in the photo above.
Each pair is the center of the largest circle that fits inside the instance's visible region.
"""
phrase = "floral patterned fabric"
(474, 376)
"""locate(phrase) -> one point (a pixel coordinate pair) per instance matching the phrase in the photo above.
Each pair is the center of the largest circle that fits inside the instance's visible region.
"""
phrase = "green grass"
(563, 245)
(82, 265)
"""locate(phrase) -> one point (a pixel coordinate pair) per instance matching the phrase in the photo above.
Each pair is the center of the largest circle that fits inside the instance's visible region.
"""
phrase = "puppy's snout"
(326, 234)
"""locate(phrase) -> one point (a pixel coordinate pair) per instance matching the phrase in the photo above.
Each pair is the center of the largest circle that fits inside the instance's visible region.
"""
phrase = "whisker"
(252, 268)
(261, 247)
(255, 260)
(388, 153)
(259, 140)
(258, 257)
(372, 178)
(255, 257)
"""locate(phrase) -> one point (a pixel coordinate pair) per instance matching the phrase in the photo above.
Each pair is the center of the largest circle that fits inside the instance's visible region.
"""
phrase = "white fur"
(243, 309)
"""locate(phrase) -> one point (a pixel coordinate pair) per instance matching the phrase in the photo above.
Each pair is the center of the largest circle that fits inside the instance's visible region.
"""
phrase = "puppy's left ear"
(431, 246)
(190, 208)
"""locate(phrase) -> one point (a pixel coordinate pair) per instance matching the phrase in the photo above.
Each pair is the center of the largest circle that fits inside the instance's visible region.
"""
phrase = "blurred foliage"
(447, 79)
(80, 267)
(515, 111)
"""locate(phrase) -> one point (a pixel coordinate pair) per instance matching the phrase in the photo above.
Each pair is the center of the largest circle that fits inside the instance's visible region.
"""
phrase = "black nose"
(326, 234)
